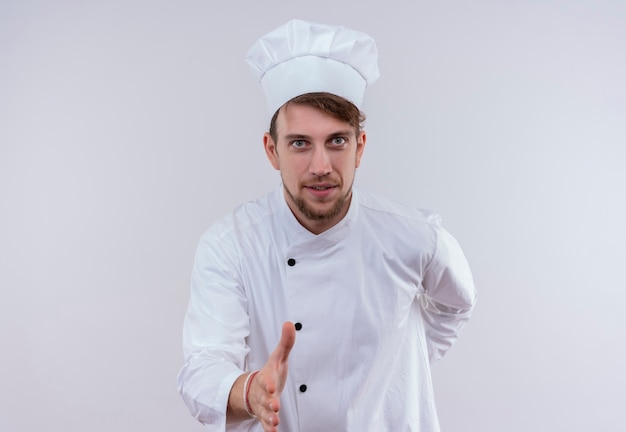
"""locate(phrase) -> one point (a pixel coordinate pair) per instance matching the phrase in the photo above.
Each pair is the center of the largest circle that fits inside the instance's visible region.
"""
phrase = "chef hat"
(301, 57)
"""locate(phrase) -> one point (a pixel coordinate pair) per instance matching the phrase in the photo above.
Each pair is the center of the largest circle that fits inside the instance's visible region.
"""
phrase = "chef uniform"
(376, 299)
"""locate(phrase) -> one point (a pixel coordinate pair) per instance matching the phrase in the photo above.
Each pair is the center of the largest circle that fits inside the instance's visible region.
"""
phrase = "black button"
(298, 326)
(303, 388)
(291, 262)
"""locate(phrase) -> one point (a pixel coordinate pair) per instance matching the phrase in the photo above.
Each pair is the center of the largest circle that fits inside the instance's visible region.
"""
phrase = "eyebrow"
(291, 137)
(346, 132)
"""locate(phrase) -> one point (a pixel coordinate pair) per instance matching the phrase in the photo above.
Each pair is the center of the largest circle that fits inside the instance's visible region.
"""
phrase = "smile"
(320, 187)
(321, 191)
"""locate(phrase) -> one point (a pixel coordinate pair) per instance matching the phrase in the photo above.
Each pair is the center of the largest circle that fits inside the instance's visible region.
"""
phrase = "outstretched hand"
(268, 384)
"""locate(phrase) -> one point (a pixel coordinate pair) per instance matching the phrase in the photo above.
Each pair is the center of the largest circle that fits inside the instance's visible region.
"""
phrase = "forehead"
(308, 120)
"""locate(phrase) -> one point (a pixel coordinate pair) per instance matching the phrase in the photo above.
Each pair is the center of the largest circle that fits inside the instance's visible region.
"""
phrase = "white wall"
(126, 128)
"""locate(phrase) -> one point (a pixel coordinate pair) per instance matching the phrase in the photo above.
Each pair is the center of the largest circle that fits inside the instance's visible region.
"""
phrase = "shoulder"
(412, 231)
(245, 218)
(409, 233)
(377, 206)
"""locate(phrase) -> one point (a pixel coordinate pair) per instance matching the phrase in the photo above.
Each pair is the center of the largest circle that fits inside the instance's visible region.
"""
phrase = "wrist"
(246, 392)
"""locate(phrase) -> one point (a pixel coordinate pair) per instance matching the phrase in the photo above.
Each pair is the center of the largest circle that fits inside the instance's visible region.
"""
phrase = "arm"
(214, 332)
(214, 340)
(449, 295)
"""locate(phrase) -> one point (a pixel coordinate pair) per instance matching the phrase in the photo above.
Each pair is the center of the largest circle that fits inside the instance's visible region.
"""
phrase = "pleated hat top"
(302, 57)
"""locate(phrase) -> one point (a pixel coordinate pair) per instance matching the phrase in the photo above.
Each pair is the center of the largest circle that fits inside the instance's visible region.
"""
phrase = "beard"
(312, 214)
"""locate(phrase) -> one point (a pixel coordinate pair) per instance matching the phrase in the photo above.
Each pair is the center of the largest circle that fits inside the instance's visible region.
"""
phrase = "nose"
(320, 162)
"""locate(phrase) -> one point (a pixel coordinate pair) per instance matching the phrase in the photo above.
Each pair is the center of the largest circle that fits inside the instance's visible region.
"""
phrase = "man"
(375, 291)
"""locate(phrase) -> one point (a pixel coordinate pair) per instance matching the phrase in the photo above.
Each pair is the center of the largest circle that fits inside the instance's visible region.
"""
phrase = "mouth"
(320, 186)
(320, 190)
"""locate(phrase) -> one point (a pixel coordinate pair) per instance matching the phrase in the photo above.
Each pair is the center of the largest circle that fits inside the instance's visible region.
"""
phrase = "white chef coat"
(379, 297)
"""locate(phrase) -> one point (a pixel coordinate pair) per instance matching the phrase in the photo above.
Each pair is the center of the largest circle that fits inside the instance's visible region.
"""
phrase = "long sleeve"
(214, 332)
(449, 295)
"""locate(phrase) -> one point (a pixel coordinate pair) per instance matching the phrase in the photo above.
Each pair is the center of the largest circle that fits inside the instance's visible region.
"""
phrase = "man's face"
(317, 156)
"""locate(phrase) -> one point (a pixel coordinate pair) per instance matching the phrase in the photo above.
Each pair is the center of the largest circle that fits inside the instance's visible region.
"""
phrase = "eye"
(338, 141)
(298, 144)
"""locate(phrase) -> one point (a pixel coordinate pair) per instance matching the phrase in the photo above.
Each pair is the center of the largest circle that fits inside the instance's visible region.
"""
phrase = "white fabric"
(311, 74)
(302, 57)
(380, 296)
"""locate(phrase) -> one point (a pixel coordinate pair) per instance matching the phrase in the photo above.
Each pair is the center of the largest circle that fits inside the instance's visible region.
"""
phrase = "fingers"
(287, 341)
(265, 404)
(277, 362)
(270, 381)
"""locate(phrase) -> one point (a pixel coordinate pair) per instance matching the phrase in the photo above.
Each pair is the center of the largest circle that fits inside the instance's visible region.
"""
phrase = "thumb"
(287, 341)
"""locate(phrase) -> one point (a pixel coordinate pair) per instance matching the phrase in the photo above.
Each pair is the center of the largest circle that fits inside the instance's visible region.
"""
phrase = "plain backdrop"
(128, 127)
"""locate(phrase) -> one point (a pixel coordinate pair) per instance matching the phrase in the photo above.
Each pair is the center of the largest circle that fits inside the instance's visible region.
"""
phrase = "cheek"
(349, 165)
(296, 165)
(289, 171)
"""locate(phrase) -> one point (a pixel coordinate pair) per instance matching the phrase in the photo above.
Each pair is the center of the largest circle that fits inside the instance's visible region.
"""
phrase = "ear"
(360, 146)
(270, 150)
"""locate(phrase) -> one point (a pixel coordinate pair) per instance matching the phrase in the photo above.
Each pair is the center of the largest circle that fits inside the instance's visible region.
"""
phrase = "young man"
(375, 291)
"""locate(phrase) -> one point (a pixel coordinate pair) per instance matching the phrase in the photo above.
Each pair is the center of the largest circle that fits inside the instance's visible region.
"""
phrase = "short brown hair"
(333, 105)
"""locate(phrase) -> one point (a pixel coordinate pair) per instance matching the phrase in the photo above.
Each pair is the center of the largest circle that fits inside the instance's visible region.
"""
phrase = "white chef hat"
(301, 57)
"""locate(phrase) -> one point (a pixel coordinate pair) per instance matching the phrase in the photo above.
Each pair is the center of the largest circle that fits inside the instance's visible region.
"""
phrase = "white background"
(128, 127)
